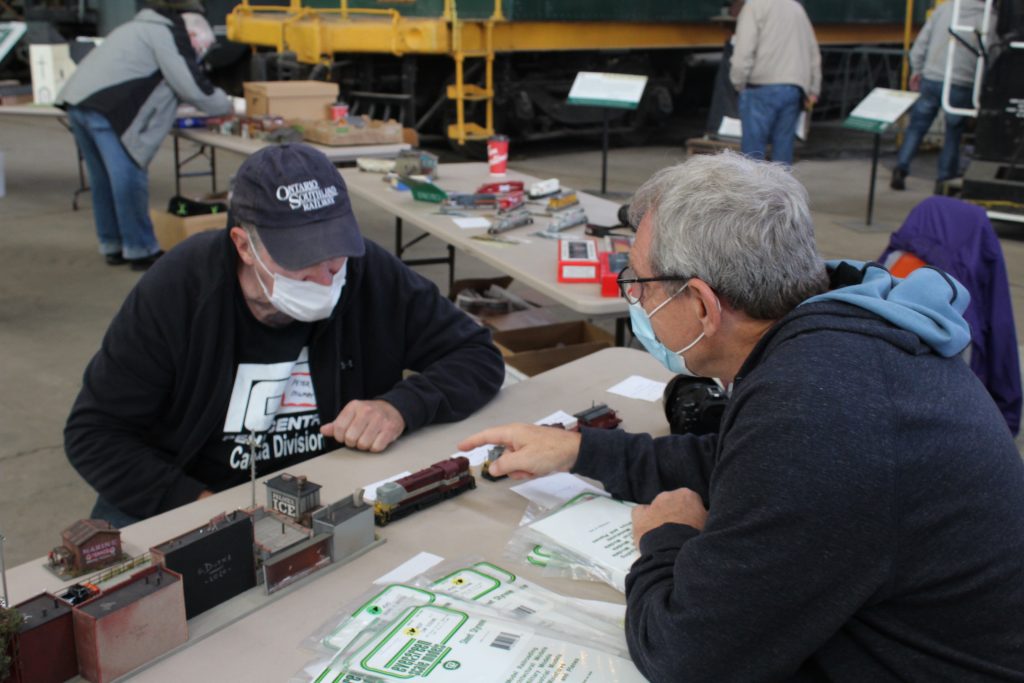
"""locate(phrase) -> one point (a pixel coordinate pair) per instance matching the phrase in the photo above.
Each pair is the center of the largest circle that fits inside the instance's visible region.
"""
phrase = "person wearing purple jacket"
(859, 516)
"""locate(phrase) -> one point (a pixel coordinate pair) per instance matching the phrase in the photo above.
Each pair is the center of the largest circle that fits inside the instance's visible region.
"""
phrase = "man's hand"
(530, 451)
(366, 425)
(205, 493)
(682, 506)
(810, 101)
(915, 82)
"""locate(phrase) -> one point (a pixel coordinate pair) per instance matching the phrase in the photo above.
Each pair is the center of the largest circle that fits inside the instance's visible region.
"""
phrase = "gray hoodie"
(137, 77)
(928, 56)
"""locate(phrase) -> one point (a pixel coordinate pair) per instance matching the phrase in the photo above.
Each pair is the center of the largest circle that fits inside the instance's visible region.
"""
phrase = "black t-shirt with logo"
(272, 399)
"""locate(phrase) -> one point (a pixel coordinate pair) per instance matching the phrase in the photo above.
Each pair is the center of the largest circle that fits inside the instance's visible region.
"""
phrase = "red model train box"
(577, 261)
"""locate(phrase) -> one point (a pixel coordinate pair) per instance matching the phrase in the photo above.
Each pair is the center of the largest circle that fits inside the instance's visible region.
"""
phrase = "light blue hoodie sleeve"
(928, 303)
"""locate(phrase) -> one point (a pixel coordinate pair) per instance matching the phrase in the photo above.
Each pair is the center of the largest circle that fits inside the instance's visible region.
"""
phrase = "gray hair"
(742, 226)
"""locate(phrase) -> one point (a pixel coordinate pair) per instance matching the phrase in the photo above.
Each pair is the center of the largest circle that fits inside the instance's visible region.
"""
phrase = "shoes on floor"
(898, 179)
(115, 259)
(144, 263)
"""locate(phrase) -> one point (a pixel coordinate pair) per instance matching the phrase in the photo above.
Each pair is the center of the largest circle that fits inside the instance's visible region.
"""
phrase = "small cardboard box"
(51, 67)
(290, 99)
(171, 229)
(340, 133)
(533, 350)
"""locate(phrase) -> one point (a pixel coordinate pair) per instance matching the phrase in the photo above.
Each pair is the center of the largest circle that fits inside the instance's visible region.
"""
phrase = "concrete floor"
(57, 296)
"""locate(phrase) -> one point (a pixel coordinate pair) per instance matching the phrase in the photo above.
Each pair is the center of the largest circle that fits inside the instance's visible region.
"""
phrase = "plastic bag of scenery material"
(519, 598)
(463, 642)
(590, 537)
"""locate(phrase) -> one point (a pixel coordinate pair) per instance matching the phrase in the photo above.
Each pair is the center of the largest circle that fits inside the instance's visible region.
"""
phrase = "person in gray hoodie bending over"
(928, 59)
(776, 68)
(859, 516)
(121, 102)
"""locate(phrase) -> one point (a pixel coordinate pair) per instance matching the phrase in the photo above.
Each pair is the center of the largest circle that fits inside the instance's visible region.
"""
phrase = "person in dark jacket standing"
(859, 516)
(121, 102)
(287, 328)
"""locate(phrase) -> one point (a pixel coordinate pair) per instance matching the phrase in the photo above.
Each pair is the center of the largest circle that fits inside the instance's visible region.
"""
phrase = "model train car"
(444, 479)
(598, 416)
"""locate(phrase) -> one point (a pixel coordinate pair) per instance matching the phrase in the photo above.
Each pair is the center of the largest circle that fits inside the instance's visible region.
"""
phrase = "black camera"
(693, 405)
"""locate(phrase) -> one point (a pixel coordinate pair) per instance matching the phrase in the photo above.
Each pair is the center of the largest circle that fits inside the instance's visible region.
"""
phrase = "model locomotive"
(443, 479)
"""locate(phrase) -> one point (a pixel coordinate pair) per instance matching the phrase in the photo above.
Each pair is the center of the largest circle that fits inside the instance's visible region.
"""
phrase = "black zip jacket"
(159, 387)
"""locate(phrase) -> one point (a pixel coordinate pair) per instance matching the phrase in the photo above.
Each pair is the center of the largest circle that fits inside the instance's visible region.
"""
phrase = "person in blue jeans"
(120, 191)
(929, 59)
(121, 102)
(769, 114)
(922, 114)
(776, 68)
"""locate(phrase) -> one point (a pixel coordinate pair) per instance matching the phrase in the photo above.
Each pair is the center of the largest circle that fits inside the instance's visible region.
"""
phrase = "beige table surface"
(534, 264)
(265, 645)
(248, 146)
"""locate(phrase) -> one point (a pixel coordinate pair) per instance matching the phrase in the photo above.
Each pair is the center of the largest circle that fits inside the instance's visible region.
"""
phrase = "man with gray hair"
(843, 524)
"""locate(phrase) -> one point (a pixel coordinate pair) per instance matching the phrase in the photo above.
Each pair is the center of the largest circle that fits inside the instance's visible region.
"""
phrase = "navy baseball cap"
(299, 204)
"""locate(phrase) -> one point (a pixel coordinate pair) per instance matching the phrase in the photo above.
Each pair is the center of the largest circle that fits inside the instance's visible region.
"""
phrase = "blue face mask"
(643, 331)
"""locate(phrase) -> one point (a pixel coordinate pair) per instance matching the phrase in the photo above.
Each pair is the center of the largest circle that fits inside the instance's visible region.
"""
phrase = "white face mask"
(301, 299)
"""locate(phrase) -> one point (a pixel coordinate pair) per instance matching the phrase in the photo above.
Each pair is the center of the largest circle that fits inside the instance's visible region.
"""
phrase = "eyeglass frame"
(623, 283)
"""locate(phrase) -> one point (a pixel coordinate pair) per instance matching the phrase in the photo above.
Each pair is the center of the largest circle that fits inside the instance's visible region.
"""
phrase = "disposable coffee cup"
(497, 154)
(339, 111)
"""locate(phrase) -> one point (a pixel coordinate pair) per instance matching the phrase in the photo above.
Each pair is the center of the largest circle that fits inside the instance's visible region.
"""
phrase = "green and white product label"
(526, 600)
(452, 646)
(385, 605)
(496, 571)
(598, 530)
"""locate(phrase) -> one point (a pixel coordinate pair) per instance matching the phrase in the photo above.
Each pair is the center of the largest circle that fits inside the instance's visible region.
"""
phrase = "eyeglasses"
(632, 287)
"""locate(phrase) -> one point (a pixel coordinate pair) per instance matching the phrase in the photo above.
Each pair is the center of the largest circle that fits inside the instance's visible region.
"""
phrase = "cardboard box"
(533, 350)
(51, 67)
(290, 99)
(340, 133)
(171, 229)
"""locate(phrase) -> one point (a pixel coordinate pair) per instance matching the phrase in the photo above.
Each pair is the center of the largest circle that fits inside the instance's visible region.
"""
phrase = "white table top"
(265, 645)
(534, 264)
(248, 146)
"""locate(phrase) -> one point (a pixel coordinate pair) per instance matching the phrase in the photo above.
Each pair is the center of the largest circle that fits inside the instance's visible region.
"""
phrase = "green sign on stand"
(618, 91)
(880, 109)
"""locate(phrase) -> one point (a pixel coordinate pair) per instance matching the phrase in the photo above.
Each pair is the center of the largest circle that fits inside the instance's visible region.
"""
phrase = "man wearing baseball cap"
(287, 329)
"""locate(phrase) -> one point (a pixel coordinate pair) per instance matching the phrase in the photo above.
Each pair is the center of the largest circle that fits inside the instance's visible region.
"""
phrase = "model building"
(130, 624)
(215, 561)
(87, 545)
(43, 646)
(294, 496)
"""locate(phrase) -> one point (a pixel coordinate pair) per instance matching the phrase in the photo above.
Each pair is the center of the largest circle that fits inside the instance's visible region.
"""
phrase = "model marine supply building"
(88, 545)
